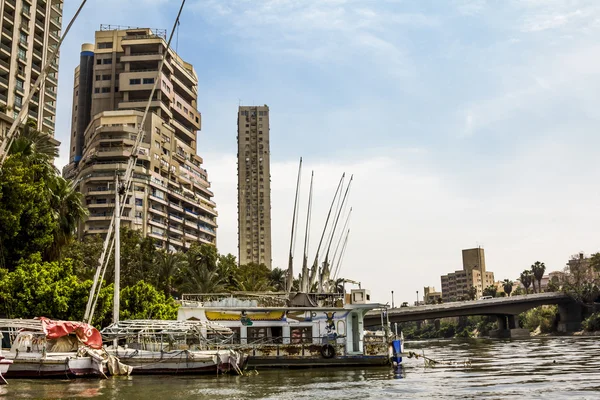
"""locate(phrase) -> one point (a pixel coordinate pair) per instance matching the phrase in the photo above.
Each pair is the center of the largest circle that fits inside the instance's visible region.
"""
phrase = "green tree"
(27, 221)
(490, 291)
(50, 289)
(143, 301)
(68, 208)
(85, 255)
(472, 293)
(526, 279)
(508, 285)
(201, 273)
(253, 277)
(277, 279)
(168, 267)
(538, 269)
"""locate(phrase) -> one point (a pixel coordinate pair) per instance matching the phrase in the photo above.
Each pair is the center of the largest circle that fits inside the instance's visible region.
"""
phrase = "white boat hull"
(28, 365)
(179, 361)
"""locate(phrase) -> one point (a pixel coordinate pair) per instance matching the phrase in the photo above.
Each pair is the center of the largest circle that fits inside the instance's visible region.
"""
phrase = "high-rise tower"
(171, 200)
(254, 186)
(30, 31)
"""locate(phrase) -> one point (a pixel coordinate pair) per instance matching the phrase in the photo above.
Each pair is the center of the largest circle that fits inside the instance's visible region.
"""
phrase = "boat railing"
(260, 299)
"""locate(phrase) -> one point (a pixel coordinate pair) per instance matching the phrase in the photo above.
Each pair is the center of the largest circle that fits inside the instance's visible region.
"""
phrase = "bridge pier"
(508, 327)
(570, 317)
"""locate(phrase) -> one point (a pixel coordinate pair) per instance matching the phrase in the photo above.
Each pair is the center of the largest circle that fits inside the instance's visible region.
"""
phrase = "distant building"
(456, 285)
(254, 186)
(580, 268)
(430, 295)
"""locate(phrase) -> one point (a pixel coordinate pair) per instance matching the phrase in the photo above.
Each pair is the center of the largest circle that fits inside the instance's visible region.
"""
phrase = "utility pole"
(417, 303)
(392, 299)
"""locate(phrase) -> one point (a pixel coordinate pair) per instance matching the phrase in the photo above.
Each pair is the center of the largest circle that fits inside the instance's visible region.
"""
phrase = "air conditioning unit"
(360, 296)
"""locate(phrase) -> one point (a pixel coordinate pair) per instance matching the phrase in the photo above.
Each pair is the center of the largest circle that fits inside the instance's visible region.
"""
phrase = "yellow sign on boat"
(236, 316)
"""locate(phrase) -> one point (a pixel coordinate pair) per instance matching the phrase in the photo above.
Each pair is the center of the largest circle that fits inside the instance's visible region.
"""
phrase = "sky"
(464, 123)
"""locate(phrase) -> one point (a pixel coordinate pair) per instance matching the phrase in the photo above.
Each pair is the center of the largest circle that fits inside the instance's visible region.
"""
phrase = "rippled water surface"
(546, 367)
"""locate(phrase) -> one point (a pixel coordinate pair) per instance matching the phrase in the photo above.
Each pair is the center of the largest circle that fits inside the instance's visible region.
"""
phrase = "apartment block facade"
(254, 185)
(171, 200)
(29, 34)
(456, 285)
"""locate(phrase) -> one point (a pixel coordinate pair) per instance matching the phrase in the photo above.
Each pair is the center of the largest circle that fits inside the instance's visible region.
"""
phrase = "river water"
(551, 368)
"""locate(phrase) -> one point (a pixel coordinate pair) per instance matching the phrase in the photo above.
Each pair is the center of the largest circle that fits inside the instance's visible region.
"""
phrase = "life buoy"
(328, 351)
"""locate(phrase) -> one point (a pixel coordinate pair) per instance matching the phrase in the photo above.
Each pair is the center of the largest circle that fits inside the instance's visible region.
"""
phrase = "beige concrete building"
(456, 285)
(171, 199)
(254, 185)
(430, 295)
(29, 33)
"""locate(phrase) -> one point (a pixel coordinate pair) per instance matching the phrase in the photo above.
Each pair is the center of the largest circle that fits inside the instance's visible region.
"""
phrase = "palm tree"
(35, 147)
(538, 269)
(277, 279)
(68, 208)
(197, 278)
(168, 265)
(508, 285)
(526, 279)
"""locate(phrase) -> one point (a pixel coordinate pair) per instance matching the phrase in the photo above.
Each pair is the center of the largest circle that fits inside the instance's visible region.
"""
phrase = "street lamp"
(392, 299)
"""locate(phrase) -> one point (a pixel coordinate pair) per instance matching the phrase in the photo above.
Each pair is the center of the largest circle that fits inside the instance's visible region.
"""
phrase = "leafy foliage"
(543, 317)
(143, 301)
(592, 323)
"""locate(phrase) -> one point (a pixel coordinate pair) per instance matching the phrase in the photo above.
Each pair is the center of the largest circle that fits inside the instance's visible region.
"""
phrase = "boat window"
(302, 334)
(265, 335)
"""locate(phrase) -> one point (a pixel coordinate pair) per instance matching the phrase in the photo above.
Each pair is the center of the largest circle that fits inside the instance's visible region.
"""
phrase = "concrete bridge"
(505, 308)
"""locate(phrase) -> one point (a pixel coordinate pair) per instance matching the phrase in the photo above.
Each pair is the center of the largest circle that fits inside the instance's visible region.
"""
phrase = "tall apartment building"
(30, 31)
(254, 186)
(171, 200)
(456, 285)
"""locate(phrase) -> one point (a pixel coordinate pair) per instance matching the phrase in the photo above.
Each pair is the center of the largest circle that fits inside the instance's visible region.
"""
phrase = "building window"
(105, 90)
(135, 81)
(21, 54)
(107, 61)
(20, 84)
(96, 90)
(98, 77)
(106, 77)
(98, 61)
(148, 81)
(139, 202)
(18, 101)
(105, 45)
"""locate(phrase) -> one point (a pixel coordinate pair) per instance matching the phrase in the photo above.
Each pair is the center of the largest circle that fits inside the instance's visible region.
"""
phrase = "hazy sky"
(465, 123)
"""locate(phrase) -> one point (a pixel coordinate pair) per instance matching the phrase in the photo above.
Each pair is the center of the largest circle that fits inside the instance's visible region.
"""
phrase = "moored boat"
(173, 347)
(4, 365)
(297, 330)
(47, 348)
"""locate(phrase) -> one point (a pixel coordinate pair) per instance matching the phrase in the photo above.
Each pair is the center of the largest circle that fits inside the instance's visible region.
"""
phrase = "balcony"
(49, 123)
(7, 32)
(10, 4)
(50, 107)
(5, 65)
(51, 92)
(41, 10)
(25, 27)
(153, 56)
(156, 210)
(37, 53)
(4, 81)
(56, 21)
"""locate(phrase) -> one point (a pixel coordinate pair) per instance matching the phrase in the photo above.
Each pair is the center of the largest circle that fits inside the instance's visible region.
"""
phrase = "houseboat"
(4, 365)
(295, 330)
(172, 347)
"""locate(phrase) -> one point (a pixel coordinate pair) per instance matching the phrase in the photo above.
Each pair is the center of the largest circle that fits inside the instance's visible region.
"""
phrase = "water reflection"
(546, 367)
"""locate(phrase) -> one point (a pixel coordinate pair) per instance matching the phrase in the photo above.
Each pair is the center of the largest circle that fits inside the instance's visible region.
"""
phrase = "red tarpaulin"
(87, 334)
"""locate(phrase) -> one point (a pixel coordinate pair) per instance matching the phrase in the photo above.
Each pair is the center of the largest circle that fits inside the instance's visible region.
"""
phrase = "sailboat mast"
(339, 261)
(335, 253)
(325, 272)
(315, 266)
(116, 299)
(290, 271)
(304, 279)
